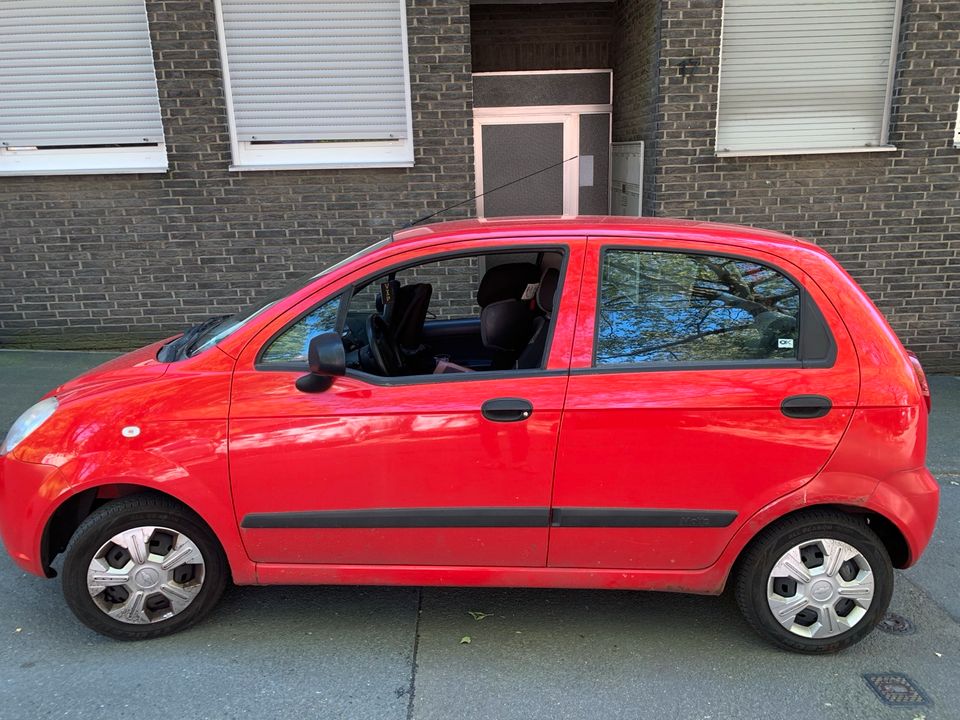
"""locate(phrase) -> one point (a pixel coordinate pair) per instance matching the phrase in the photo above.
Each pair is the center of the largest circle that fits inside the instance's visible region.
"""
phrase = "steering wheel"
(383, 350)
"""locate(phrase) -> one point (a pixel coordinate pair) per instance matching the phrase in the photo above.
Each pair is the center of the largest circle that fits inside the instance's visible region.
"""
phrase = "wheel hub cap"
(820, 588)
(145, 575)
(146, 578)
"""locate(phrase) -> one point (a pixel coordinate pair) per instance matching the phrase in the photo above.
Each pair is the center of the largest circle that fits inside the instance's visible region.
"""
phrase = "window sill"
(319, 166)
(806, 151)
(84, 161)
(314, 156)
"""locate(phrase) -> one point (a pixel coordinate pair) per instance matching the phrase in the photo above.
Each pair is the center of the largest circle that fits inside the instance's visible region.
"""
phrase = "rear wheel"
(142, 567)
(815, 583)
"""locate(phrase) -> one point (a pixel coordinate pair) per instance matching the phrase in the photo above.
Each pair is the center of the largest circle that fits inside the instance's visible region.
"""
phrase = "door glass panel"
(594, 164)
(676, 307)
(512, 151)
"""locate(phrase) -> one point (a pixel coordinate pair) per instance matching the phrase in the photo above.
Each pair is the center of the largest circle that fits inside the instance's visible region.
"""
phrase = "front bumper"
(29, 493)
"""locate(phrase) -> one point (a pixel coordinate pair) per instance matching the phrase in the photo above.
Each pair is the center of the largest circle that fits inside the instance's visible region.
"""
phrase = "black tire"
(771, 544)
(124, 514)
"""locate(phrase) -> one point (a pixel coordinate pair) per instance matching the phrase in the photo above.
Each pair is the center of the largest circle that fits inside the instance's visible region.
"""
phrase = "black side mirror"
(327, 360)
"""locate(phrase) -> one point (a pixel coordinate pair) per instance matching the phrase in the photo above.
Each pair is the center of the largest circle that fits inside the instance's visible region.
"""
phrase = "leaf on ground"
(465, 640)
(477, 615)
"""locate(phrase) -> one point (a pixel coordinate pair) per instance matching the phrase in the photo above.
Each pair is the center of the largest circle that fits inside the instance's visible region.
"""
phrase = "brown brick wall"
(892, 219)
(557, 36)
(115, 260)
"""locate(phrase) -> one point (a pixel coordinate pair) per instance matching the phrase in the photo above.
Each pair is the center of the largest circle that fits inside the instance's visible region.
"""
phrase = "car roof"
(597, 227)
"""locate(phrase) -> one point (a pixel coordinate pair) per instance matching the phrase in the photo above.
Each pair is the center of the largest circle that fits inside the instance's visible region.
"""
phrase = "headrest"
(546, 293)
(506, 282)
(506, 325)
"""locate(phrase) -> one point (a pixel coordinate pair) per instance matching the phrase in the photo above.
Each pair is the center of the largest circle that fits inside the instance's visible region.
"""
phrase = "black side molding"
(489, 517)
(478, 517)
(586, 517)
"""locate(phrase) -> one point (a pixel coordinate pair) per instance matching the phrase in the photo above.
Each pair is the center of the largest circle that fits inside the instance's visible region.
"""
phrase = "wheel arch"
(890, 535)
(73, 510)
(66, 518)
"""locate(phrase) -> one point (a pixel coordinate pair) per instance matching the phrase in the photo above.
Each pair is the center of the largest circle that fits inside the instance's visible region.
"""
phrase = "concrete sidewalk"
(395, 653)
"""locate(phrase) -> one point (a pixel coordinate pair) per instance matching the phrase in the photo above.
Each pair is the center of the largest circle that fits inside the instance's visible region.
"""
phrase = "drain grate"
(896, 689)
(896, 625)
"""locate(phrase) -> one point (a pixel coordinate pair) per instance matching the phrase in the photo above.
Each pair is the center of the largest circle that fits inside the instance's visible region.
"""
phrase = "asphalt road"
(396, 653)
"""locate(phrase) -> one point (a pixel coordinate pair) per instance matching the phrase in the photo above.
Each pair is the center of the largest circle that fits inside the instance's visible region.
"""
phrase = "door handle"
(806, 407)
(507, 409)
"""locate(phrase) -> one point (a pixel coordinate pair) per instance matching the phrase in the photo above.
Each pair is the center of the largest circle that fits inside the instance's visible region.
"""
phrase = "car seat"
(506, 317)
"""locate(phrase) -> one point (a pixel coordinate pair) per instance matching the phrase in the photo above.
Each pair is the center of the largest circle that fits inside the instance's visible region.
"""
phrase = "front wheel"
(142, 567)
(815, 583)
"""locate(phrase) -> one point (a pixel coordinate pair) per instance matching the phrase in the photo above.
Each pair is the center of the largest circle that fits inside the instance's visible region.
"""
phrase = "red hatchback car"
(580, 403)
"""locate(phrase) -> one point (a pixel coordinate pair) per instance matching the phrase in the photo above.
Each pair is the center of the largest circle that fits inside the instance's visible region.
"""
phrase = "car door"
(451, 469)
(704, 384)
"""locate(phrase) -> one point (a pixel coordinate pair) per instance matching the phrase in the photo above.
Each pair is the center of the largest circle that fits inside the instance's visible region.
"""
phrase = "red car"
(644, 404)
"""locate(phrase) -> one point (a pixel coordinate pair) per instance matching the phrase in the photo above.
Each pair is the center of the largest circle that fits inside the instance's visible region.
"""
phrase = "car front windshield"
(230, 324)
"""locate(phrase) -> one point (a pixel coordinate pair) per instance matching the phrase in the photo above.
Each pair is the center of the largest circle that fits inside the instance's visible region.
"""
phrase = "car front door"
(704, 384)
(426, 470)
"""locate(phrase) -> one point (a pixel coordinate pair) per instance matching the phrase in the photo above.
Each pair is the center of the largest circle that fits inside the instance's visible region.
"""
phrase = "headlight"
(27, 423)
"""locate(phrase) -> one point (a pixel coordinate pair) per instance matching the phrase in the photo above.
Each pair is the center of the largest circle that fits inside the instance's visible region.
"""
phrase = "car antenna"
(486, 192)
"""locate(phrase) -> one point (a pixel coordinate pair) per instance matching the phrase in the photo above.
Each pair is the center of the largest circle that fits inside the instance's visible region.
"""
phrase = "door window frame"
(817, 345)
(347, 291)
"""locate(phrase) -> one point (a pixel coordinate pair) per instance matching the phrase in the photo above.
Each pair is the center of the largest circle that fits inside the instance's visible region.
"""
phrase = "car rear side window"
(665, 307)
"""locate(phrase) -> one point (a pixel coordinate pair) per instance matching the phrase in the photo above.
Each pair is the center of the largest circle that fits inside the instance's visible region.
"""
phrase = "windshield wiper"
(172, 350)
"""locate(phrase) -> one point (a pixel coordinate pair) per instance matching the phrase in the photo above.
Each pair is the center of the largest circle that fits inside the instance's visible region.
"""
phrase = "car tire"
(817, 616)
(165, 572)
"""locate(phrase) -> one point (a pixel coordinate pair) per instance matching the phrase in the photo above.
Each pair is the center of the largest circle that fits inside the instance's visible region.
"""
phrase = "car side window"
(667, 307)
(291, 346)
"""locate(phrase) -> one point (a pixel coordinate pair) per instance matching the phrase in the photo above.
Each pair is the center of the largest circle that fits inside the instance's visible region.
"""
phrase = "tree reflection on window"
(291, 346)
(674, 307)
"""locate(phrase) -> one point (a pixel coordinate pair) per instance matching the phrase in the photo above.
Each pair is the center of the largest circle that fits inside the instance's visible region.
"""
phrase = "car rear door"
(426, 470)
(705, 383)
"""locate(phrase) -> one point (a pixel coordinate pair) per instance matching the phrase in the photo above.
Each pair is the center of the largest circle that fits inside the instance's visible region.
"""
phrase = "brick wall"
(890, 218)
(117, 260)
(558, 36)
(635, 53)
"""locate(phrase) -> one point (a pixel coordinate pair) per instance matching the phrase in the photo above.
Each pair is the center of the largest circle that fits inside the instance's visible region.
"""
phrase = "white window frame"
(317, 155)
(956, 129)
(884, 145)
(518, 116)
(85, 159)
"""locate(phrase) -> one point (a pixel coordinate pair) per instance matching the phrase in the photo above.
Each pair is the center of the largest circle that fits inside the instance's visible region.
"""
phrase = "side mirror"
(327, 360)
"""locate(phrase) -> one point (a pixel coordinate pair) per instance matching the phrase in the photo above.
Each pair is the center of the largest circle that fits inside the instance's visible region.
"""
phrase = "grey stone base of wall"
(79, 340)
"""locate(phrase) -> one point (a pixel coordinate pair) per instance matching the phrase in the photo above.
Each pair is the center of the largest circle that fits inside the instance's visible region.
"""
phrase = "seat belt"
(388, 298)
